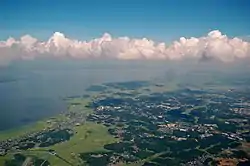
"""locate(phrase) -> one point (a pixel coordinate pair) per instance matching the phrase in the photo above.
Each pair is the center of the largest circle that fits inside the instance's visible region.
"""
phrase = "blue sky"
(160, 20)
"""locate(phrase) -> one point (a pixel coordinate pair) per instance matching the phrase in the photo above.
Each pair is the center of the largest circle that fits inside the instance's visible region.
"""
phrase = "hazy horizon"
(33, 90)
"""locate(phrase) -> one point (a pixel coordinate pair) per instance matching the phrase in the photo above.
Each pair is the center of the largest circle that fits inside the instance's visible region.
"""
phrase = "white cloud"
(213, 46)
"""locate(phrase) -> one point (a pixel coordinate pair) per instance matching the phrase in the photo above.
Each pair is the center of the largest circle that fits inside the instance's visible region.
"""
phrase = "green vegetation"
(40, 125)
(88, 138)
(21, 131)
(155, 124)
(79, 104)
(24, 159)
(4, 158)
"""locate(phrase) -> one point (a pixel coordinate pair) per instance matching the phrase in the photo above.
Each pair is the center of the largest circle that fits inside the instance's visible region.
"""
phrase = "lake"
(30, 91)
(33, 90)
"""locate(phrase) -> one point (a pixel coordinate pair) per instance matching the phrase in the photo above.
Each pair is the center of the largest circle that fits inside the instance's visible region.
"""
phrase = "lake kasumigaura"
(35, 94)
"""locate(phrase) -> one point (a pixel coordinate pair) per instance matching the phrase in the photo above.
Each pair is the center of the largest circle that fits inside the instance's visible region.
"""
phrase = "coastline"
(22, 130)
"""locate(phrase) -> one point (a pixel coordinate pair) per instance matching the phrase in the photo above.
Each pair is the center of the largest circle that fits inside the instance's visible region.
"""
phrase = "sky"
(159, 20)
(125, 29)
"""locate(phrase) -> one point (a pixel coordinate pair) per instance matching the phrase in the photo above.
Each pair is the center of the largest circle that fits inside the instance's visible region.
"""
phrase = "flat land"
(21, 131)
(89, 137)
(140, 123)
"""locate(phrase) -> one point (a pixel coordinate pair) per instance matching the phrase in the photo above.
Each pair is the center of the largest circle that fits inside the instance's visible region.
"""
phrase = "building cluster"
(155, 123)
(182, 118)
(53, 133)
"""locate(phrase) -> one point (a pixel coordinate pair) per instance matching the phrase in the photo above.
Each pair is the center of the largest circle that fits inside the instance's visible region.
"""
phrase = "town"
(182, 127)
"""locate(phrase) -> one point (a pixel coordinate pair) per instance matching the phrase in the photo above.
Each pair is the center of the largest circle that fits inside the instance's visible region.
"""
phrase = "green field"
(21, 131)
(89, 137)
(3, 158)
(18, 132)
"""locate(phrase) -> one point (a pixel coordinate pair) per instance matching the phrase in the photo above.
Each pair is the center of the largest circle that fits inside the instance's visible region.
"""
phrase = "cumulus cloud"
(214, 45)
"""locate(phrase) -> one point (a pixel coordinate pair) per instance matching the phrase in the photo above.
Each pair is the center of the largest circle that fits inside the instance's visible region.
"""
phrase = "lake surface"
(32, 92)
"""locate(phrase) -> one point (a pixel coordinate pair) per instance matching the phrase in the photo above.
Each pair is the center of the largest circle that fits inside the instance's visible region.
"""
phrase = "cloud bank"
(214, 45)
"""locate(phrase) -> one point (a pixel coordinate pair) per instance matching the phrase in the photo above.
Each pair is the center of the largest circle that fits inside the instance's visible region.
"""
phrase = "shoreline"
(39, 125)
(24, 129)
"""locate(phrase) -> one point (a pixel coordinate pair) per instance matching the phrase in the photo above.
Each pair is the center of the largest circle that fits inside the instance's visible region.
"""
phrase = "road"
(28, 160)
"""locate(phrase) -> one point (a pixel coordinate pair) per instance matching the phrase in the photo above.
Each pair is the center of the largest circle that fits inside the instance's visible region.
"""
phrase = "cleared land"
(89, 137)
(21, 131)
